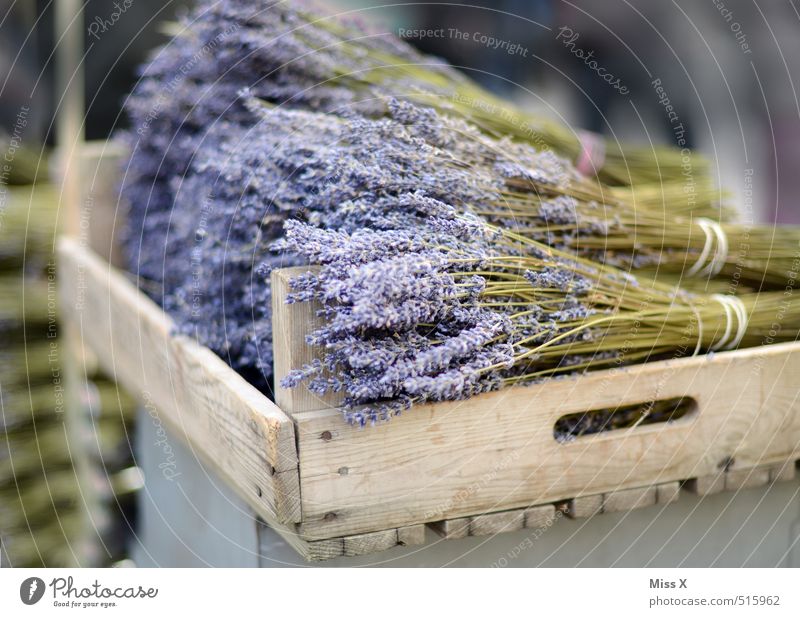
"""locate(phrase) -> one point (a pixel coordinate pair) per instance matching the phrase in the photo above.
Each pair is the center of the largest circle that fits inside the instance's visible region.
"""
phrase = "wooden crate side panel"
(291, 324)
(497, 451)
(225, 420)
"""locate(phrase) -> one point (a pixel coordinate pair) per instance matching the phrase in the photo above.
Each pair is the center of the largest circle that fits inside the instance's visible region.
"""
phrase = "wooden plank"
(495, 523)
(290, 325)
(364, 544)
(452, 529)
(629, 499)
(706, 485)
(413, 535)
(740, 479)
(668, 492)
(539, 516)
(783, 473)
(585, 506)
(234, 428)
(367, 543)
(324, 549)
(433, 462)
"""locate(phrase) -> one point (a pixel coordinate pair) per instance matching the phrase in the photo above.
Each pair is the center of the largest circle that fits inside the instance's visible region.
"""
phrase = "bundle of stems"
(513, 185)
(424, 81)
(28, 225)
(26, 165)
(296, 59)
(49, 543)
(24, 365)
(30, 447)
(458, 307)
(359, 173)
(760, 256)
(22, 300)
(341, 54)
(38, 498)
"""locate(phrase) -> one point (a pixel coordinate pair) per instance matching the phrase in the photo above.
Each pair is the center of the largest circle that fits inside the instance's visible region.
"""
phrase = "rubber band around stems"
(699, 329)
(715, 234)
(733, 307)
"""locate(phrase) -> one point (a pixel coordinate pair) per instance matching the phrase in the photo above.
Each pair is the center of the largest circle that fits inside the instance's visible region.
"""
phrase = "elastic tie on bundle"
(714, 232)
(734, 310)
(699, 319)
(593, 153)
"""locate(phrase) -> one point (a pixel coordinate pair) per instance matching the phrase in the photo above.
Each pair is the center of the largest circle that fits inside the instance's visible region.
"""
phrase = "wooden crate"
(474, 467)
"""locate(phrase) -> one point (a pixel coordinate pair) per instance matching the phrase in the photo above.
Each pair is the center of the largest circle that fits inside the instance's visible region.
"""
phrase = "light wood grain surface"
(227, 422)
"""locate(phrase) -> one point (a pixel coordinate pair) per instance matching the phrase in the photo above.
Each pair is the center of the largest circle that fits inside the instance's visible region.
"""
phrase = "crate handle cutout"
(608, 420)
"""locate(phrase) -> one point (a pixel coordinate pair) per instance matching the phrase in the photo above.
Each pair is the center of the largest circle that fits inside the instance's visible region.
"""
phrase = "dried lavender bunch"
(447, 313)
(413, 168)
(291, 55)
(358, 161)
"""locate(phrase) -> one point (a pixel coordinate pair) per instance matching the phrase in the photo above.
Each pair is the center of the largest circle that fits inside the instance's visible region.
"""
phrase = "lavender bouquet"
(452, 262)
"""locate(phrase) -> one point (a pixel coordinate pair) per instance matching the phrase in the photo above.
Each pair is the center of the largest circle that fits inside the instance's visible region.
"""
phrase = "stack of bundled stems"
(41, 513)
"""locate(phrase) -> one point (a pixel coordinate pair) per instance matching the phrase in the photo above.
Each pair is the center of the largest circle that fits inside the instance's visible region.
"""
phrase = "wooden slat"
(539, 516)
(629, 499)
(584, 506)
(363, 544)
(413, 535)
(668, 492)
(432, 462)
(706, 485)
(785, 472)
(746, 478)
(497, 522)
(452, 529)
(227, 422)
(367, 543)
(324, 549)
(290, 326)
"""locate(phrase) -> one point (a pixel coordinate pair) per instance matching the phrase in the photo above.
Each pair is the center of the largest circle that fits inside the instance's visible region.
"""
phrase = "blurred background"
(729, 70)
